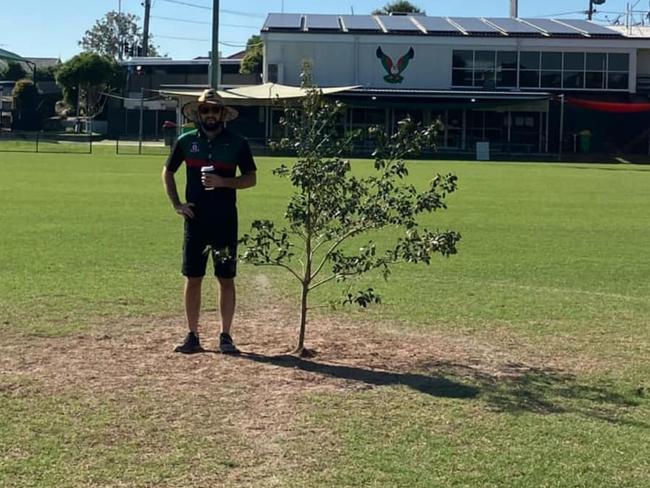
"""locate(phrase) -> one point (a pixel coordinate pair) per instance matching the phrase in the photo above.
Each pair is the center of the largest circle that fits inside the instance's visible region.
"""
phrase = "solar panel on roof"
(283, 21)
(329, 22)
(436, 24)
(590, 27)
(472, 24)
(512, 26)
(360, 22)
(552, 27)
(398, 23)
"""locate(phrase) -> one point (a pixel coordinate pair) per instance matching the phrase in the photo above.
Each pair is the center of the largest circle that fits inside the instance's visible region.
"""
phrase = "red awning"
(612, 107)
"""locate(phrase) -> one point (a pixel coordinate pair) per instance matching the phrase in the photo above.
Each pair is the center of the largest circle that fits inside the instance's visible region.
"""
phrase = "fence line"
(43, 142)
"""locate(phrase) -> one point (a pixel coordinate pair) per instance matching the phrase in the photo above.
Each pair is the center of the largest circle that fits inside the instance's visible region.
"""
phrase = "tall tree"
(13, 72)
(113, 34)
(399, 6)
(25, 99)
(85, 77)
(47, 73)
(254, 57)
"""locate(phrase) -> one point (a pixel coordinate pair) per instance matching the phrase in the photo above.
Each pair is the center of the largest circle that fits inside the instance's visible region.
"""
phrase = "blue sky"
(51, 28)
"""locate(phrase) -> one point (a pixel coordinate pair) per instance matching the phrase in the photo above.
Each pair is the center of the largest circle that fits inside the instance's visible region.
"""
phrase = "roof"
(44, 62)
(423, 25)
(136, 61)
(9, 56)
(635, 31)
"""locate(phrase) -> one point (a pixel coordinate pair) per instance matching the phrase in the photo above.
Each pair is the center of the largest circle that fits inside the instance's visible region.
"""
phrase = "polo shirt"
(226, 152)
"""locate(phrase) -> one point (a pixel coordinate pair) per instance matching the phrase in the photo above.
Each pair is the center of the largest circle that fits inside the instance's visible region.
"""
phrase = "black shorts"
(216, 236)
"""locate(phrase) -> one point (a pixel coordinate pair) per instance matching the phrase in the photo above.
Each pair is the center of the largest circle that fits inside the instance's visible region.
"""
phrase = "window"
(618, 66)
(618, 62)
(541, 69)
(463, 66)
(485, 69)
(272, 73)
(551, 70)
(574, 61)
(506, 69)
(529, 60)
(596, 68)
(529, 63)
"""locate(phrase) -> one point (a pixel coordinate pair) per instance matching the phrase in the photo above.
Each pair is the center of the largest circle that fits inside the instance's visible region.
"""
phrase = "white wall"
(643, 62)
(346, 59)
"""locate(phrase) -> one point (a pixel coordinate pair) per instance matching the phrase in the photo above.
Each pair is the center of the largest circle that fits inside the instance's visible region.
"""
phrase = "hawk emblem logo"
(195, 147)
(395, 70)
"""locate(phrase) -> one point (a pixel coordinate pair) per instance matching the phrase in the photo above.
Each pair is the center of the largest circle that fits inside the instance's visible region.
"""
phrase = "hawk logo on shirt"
(195, 147)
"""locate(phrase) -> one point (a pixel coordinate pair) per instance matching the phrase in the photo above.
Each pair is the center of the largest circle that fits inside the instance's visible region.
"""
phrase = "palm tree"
(399, 6)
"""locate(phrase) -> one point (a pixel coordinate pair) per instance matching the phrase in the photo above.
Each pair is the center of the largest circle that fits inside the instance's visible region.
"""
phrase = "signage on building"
(395, 70)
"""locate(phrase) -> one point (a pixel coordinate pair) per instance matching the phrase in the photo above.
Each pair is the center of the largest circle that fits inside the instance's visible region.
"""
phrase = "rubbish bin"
(169, 132)
(584, 136)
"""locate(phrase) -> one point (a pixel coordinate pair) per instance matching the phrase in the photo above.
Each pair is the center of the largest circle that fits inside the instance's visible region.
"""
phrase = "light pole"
(214, 59)
(145, 37)
(592, 10)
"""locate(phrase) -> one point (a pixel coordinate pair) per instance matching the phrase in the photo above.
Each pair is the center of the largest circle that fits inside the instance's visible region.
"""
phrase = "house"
(513, 82)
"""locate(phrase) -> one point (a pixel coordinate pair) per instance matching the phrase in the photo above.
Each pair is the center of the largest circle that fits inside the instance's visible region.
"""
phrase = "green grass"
(112, 443)
(398, 438)
(555, 254)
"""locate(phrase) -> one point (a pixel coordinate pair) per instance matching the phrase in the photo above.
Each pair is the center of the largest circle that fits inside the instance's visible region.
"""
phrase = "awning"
(264, 94)
(611, 107)
(475, 100)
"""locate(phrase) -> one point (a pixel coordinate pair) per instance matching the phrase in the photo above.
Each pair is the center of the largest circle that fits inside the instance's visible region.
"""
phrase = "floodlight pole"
(214, 61)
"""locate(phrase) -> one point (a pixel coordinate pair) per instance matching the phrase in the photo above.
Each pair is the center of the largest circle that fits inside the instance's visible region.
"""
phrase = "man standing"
(210, 211)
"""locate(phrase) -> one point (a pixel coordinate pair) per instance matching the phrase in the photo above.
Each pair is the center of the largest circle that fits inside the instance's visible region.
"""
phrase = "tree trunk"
(303, 319)
(300, 349)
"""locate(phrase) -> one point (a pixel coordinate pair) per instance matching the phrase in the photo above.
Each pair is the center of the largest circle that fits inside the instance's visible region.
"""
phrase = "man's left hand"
(211, 180)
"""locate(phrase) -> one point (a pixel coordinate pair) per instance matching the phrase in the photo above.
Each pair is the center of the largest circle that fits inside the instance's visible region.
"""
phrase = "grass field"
(522, 361)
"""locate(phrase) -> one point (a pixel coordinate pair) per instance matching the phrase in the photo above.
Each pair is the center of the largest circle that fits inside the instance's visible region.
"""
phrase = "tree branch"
(334, 246)
(322, 282)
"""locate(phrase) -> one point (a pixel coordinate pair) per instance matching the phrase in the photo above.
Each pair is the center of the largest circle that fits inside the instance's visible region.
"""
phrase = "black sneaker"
(226, 345)
(191, 344)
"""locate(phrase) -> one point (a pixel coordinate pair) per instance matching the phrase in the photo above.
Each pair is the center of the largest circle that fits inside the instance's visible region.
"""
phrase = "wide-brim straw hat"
(210, 96)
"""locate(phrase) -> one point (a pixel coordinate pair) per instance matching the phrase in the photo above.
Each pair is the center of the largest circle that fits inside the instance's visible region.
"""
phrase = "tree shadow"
(516, 389)
(434, 385)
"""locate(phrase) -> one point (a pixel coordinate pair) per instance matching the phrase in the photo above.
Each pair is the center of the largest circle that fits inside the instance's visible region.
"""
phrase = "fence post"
(117, 145)
(141, 119)
(37, 142)
(90, 135)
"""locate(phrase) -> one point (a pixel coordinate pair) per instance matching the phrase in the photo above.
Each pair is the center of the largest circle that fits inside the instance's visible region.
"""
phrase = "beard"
(211, 124)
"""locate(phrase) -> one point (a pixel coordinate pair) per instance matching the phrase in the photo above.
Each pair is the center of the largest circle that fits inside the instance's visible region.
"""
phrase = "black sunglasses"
(209, 110)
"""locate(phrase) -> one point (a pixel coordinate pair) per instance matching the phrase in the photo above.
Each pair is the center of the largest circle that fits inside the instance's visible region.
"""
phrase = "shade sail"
(9, 56)
(255, 94)
(611, 107)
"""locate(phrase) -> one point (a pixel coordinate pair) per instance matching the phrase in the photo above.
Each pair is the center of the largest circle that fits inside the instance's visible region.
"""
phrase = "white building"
(488, 79)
